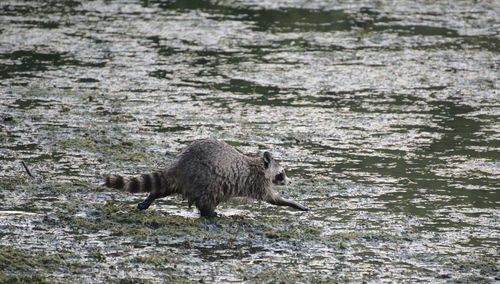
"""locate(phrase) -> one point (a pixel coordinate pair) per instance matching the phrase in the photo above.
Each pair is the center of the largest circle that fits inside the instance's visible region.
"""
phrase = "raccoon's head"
(274, 170)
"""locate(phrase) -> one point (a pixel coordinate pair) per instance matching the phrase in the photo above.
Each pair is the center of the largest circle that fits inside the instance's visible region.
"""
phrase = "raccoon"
(208, 172)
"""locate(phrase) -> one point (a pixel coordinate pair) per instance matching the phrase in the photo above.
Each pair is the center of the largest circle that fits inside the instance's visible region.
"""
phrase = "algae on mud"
(112, 233)
(385, 115)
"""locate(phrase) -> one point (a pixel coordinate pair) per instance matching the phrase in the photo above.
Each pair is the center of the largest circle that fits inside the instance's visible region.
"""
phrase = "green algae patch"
(67, 187)
(111, 150)
(15, 259)
(17, 265)
(88, 144)
(156, 260)
(126, 220)
(279, 276)
(125, 213)
(133, 156)
(295, 231)
(13, 183)
(20, 278)
(79, 143)
(133, 280)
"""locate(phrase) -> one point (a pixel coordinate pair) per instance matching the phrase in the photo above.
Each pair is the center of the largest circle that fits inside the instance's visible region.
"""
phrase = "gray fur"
(209, 172)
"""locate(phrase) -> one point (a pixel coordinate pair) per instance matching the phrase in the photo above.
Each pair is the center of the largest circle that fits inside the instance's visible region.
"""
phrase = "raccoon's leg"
(278, 200)
(147, 202)
(208, 213)
(207, 209)
(160, 188)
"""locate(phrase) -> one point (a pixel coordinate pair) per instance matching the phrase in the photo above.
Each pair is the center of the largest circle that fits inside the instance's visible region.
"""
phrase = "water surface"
(385, 115)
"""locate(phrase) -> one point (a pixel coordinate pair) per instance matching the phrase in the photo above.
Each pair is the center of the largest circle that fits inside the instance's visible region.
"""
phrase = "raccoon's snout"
(281, 179)
(286, 181)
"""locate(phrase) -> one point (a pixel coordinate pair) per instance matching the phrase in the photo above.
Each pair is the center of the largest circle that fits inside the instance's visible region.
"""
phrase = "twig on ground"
(27, 170)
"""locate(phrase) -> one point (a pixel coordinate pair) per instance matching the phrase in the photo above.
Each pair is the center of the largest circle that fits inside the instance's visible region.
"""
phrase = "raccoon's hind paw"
(143, 205)
(147, 202)
(210, 214)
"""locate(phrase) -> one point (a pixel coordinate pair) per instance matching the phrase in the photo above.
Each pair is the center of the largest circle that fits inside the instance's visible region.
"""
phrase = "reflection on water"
(386, 116)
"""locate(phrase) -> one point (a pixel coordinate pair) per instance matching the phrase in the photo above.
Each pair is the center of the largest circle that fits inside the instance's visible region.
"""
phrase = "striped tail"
(144, 183)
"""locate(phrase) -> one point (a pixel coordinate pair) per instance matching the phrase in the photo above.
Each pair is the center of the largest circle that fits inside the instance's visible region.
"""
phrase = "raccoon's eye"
(280, 176)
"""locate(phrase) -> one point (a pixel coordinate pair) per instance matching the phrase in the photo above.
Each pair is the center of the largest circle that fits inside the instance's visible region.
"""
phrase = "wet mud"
(385, 116)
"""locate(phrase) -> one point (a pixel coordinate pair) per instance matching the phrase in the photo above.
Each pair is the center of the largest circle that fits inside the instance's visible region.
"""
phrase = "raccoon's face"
(274, 170)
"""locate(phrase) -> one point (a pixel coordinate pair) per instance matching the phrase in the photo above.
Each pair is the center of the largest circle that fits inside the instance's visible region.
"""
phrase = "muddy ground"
(385, 116)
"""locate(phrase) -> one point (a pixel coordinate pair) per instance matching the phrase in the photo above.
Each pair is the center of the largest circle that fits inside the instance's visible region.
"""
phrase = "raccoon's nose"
(286, 181)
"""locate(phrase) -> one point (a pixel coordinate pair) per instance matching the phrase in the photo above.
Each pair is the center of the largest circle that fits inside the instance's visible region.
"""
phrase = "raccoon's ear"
(267, 159)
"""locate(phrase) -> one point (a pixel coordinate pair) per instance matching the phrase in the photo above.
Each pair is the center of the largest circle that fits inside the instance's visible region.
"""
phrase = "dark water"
(386, 115)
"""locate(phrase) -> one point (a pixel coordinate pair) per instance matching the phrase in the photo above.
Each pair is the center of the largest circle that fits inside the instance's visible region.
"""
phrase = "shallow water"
(385, 115)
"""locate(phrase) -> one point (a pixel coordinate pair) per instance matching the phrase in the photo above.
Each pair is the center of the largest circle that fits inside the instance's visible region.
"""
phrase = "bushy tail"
(144, 183)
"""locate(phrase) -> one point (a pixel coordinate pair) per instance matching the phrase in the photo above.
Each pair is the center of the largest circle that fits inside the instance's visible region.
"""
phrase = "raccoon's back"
(210, 165)
(214, 156)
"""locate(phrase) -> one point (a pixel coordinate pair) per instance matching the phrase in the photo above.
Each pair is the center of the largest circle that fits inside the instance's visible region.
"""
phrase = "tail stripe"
(153, 183)
(147, 183)
(119, 183)
(157, 179)
(134, 185)
(108, 181)
(115, 181)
